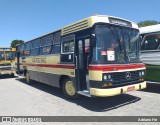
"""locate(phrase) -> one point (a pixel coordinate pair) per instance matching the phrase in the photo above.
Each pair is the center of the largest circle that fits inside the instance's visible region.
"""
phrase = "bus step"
(85, 93)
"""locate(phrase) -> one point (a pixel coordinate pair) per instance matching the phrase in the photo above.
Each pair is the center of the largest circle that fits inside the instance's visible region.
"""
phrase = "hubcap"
(70, 88)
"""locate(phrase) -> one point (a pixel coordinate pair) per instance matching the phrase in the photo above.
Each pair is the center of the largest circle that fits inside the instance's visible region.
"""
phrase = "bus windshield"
(1, 55)
(115, 44)
(10, 55)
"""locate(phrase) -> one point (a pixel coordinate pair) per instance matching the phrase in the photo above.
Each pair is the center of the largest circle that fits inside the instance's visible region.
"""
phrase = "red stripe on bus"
(117, 67)
(50, 65)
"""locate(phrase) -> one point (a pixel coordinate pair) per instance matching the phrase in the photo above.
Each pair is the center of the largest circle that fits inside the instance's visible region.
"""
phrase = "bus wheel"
(69, 89)
(28, 80)
(12, 75)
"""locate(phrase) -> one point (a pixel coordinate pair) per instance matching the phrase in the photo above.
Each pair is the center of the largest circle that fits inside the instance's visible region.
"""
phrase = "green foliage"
(16, 42)
(147, 23)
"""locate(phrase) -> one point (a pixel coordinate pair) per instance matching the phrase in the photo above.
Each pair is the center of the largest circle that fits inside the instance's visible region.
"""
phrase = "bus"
(7, 61)
(150, 51)
(96, 56)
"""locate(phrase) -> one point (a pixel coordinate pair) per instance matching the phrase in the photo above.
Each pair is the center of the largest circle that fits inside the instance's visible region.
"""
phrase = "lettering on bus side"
(39, 60)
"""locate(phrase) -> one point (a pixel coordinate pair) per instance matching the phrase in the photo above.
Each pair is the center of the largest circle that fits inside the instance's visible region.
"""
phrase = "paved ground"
(19, 98)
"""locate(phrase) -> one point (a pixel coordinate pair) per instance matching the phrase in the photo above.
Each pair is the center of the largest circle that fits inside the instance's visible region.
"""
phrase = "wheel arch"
(64, 77)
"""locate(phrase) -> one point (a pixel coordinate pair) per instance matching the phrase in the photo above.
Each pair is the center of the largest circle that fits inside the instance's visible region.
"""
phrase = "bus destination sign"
(119, 22)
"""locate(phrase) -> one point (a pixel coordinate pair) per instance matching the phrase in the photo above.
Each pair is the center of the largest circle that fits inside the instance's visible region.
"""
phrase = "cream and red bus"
(96, 56)
(7, 61)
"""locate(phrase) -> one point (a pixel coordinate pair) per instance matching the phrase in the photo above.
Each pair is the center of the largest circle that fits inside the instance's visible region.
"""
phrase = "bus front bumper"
(9, 72)
(116, 91)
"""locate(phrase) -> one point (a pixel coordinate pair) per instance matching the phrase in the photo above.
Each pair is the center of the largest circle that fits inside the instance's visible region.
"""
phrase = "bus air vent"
(75, 27)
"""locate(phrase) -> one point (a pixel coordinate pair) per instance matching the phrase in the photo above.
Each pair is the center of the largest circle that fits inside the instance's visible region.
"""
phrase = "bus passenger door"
(81, 62)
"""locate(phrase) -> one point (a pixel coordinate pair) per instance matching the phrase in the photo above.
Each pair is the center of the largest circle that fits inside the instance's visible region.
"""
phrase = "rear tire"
(12, 75)
(69, 89)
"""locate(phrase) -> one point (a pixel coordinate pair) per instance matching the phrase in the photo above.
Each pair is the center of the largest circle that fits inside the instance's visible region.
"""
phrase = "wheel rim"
(27, 77)
(70, 88)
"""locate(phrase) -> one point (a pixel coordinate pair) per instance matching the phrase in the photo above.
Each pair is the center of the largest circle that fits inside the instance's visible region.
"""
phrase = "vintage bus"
(150, 51)
(7, 61)
(96, 56)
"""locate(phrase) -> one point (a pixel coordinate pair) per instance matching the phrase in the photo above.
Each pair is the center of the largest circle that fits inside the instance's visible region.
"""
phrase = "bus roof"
(150, 29)
(90, 21)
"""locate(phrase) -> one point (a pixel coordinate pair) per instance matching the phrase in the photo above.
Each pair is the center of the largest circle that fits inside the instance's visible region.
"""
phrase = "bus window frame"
(44, 46)
(57, 34)
(67, 41)
(14, 53)
(27, 49)
(67, 53)
(143, 40)
(35, 47)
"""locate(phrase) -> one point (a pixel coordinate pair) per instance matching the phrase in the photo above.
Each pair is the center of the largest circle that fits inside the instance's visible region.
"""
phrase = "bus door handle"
(76, 62)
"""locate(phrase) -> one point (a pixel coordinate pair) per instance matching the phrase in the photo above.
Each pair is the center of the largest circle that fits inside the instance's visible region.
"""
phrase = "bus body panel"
(47, 69)
(73, 61)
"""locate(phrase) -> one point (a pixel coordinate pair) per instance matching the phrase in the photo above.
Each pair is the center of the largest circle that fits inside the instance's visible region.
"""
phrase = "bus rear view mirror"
(93, 40)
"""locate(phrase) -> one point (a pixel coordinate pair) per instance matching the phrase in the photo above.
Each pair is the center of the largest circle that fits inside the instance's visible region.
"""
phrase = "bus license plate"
(132, 88)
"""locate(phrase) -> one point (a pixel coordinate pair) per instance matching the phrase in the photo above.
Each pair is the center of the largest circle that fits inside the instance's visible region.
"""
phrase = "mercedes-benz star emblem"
(128, 75)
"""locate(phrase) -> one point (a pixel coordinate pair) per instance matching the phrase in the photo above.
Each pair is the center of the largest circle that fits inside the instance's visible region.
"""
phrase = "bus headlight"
(143, 73)
(107, 77)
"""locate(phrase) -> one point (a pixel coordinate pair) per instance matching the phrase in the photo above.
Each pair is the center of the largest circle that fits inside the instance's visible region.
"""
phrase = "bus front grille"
(120, 77)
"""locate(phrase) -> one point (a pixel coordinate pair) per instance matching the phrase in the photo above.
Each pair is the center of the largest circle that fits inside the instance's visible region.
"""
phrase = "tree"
(147, 23)
(16, 42)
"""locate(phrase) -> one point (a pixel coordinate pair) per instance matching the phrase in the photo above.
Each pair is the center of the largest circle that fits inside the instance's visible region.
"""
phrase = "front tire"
(69, 89)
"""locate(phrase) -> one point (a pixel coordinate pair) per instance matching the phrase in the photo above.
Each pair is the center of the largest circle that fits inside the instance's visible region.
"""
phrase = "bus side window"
(56, 44)
(151, 42)
(67, 49)
(35, 47)
(22, 50)
(27, 49)
(46, 44)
